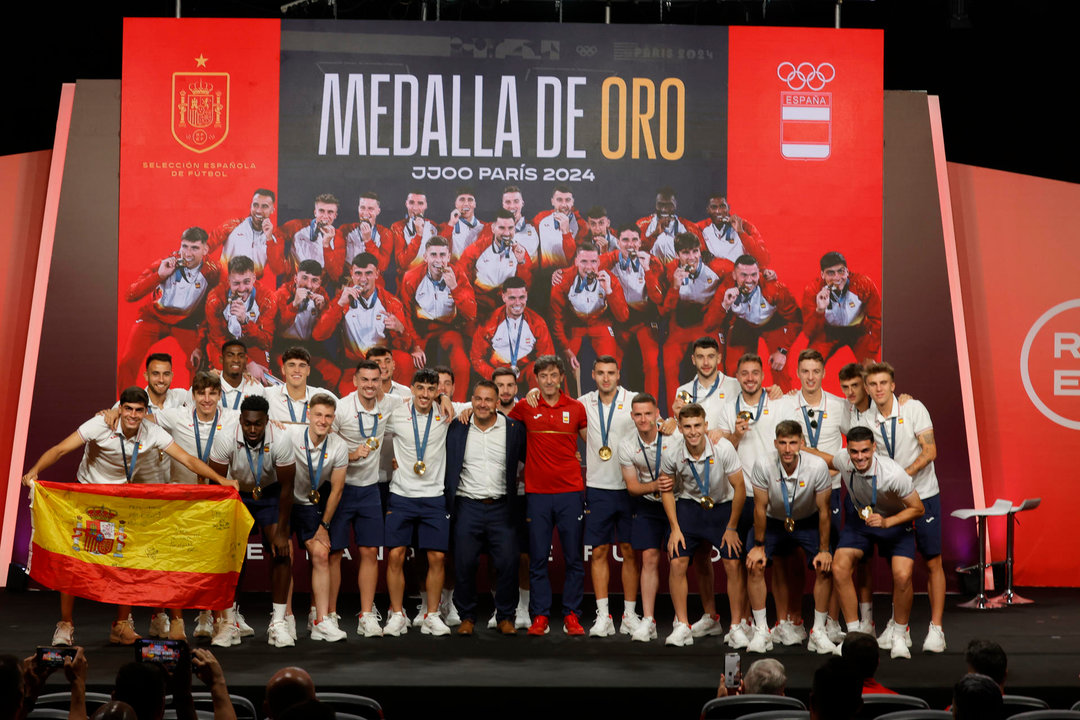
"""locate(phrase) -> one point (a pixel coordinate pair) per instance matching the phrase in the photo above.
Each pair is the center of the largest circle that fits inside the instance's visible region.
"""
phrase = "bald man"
(115, 710)
(288, 686)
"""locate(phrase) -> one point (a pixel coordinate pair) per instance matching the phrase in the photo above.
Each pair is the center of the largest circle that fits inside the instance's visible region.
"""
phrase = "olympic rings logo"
(805, 75)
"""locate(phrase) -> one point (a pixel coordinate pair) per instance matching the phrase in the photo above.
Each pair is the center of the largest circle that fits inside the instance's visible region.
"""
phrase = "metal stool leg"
(980, 601)
(1009, 597)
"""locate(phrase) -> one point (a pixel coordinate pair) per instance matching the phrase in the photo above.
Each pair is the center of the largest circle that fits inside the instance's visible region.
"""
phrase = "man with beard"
(367, 235)
(513, 337)
(463, 228)
(842, 309)
(252, 236)
(489, 263)
(312, 239)
(240, 310)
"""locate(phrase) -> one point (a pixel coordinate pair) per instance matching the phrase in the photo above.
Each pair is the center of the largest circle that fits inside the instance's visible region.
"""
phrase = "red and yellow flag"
(177, 546)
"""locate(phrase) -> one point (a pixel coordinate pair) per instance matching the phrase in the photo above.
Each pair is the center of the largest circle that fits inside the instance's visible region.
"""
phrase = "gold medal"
(746, 415)
(256, 492)
(707, 503)
(419, 467)
(605, 453)
(789, 524)
(372, 443)
(684, 396)
(313, 496)
(866, 512)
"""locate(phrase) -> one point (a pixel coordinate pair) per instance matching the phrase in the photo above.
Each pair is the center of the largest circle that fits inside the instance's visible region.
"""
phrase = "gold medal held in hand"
(746, 415)
(373, 443)
(866, 512)
(313, 496)
(684, 396)
(707, 503)
(419, 467)
(605, 453)
(256, 492)
(789, 524)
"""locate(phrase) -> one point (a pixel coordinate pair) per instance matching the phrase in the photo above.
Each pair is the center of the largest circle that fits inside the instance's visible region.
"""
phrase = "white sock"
(313, 612)
(448, 596)
(523, 599)
(855, 627)
(423, 598)
(629, 608)
(866, 612)
(760, 619)
(228, 616)
(602, 606)
(820, 619)
(277, 612)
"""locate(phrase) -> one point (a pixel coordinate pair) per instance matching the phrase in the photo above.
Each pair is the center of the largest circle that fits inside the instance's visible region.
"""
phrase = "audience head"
(115, 711)
(977, 697)
(142, 686)
(861, 650)
(288, 686)
(986, 657)
(765, 677)
(836, 693)
(11, 687)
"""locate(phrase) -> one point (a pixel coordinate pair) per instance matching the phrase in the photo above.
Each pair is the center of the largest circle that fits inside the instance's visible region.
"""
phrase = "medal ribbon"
(313, 476)
(702, 487)
(292, 414)
(789, 502)
(515, 347)
(198, 440)
(421, 448)
(654, 474)
(258, 473)
(716, 384)
(582, 283)
(812, 434)
(129, 470)
(760, 405)
(374, 426)
(631, 262)
(890, 446)
(873, 492)
(605, 428)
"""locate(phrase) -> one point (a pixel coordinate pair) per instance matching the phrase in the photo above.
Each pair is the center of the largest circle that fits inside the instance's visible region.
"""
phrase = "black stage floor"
(491, 676)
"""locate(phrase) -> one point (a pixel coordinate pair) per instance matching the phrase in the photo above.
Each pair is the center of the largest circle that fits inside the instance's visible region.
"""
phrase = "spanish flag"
(178, 546)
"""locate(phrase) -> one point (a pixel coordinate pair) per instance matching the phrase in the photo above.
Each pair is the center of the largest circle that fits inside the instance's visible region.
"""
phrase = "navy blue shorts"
(360, 510)
(608, 514)
(264, 511)
(928, 528)
(305, 521)
(779, 541)
(899, 540)
(836, 508)
(649, 529)
(703, 527)
(427, 517)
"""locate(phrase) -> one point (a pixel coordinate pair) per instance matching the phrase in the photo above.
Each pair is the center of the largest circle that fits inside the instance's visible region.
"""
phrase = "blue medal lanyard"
(654, 474)
(251, 464)
(890, 445)
(421, 448)
(315, 477)
(605, 428)
(198, 440)
(760, 405)
(702, 487)
(129, 470)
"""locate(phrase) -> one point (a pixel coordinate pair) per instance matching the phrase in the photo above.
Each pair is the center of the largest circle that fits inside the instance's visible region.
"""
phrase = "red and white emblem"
(200, 115)
(805, 111)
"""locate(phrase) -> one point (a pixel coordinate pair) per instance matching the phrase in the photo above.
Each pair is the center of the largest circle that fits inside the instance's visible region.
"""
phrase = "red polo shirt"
(551, 463)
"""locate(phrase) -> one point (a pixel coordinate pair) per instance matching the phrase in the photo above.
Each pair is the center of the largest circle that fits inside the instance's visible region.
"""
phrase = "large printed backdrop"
(213, 110)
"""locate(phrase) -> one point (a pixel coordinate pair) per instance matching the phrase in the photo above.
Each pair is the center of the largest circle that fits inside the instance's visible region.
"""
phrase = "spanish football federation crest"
(805, 111)
(98, 534)
(200, 115)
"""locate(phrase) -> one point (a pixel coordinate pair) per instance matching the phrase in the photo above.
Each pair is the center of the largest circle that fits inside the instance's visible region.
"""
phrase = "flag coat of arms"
(152, 545)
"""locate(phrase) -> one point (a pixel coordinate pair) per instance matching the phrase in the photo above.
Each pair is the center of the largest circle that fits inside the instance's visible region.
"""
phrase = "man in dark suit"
(482, 459)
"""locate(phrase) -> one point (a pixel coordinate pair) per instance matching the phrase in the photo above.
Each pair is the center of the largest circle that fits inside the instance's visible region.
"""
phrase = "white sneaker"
(327, 630)
(369, 625)
(784, 632)
(278, 635)
(421, 613)
(833, 631)
(64, 634)
(159, 625)
(433, 625)
(450, 612)
(522, 621)
(885, 640)
(396, 624)
(603, 627)
(645, 631)
(245, 629)
(738, 636)
(629, 624)
(681, 636)
(492, 622)
(899, 648)
(800, 632)
(204, 625)
(290, 625)
(335, 619)
(376, 613)
(226, 634)
(760, 641)
(935, 639)
(311, 619)
(707, 625)
(820, 643)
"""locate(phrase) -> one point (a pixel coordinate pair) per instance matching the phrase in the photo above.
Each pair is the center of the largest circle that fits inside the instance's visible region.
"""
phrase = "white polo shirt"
(347, 421)
(280, 403)
(810, 477)
(104, 453)
(483, 472)
(232, 397)
(156, 466)
(644, 462)
(900, 429)
(893, 483)
(231, 449)
(183, 424)
(853, 417)
(828, 414)
(332, 451)
(386, 450)
(606, 474)
(721, 460)
(723, 242)
(406, 482)
(759, 440)
(711, 396)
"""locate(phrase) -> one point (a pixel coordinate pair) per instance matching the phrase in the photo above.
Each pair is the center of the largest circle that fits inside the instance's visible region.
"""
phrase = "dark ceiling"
(1003, 70)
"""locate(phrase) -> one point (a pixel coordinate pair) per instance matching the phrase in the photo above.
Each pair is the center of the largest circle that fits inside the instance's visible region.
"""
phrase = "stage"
(488, 675)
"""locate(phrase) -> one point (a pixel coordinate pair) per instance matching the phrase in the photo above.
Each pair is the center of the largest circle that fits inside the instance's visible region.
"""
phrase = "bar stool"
(999, 508)
(1009, 597)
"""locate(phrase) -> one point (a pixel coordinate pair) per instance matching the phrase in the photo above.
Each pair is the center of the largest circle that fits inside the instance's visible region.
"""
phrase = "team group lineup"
(753, 475)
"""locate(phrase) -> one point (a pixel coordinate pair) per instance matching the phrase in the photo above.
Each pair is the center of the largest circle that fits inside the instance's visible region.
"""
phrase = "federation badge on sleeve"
(566, 416)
